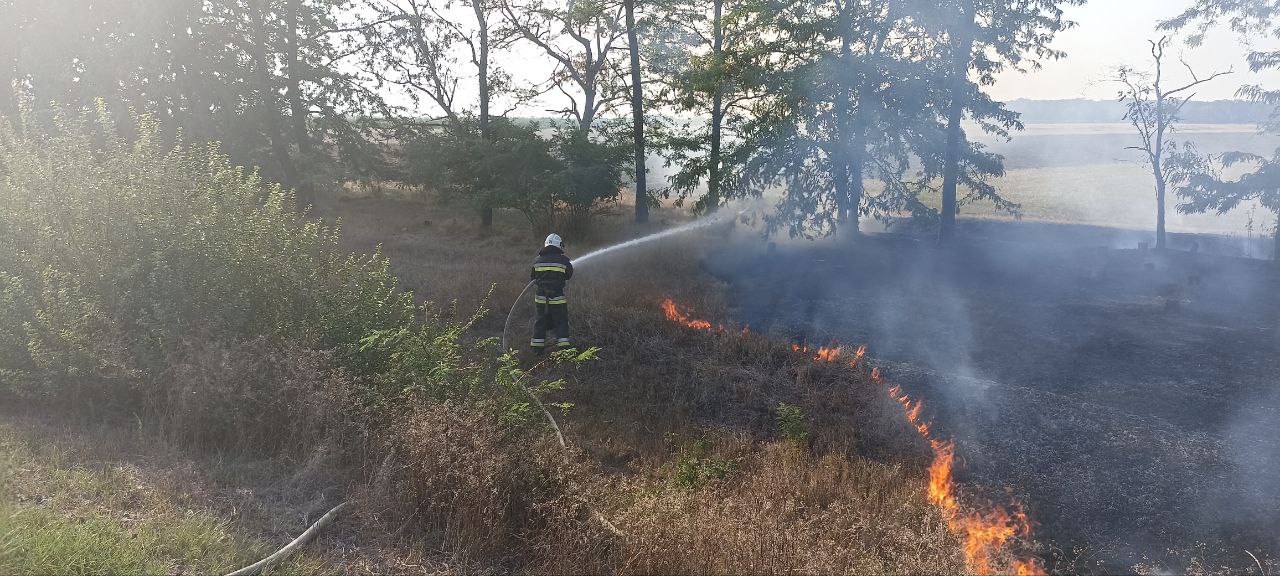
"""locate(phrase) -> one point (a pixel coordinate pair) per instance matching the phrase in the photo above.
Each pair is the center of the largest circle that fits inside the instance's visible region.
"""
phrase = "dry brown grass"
(787, 511)
(850, 501)
(447, 488)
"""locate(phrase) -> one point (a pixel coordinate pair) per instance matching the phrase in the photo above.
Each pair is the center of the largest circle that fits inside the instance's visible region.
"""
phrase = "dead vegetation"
(674, 435)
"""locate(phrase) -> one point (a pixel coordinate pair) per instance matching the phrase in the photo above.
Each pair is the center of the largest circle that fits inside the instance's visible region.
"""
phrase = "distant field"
(1081, 173)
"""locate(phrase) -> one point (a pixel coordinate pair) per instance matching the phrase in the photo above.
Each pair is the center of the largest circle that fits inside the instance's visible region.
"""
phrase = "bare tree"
(1153, 110)
(581, 37)
(433, 46)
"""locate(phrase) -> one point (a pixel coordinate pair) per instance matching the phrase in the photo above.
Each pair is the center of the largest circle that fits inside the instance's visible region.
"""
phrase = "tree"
(1206, 189)
(429, 47)
(1153, 110)
(592, 173)
(847, 95)
(510, 166)
(1203, 188)
(986, 37)
(515, 167)
(267, 78)
(708, 73)
(637, 113)
(580, 38)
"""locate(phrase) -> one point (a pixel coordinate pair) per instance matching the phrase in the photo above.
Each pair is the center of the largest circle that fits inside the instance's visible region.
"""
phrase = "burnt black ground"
(1130, 398)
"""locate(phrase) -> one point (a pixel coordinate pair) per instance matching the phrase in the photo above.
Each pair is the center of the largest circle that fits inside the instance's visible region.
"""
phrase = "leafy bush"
(592, 174)
(124, 252)
(696, 465)
(566, 177)
(792, 425)
(163, 280)
(511, 166)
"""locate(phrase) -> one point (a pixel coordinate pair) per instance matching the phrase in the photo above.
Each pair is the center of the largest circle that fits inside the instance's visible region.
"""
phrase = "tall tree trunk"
(1275, 257)
(1157, 155)
(588, 108)
(268, 100)
(298, 108)
(714, 161)
(857, 157)
(637, 114)
(842, 149)
(961, 55)
(1157, 167)
(486, 92)
(482, 24)
(1160, 210)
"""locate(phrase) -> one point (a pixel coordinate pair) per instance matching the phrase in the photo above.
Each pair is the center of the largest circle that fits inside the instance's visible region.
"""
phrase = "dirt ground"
(1128, 397)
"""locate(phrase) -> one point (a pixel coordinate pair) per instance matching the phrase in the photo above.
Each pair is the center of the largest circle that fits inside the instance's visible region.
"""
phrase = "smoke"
(1123, 394)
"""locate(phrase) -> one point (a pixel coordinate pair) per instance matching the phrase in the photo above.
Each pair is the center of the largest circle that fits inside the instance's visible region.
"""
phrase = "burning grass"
(457, 491)
(986, 530)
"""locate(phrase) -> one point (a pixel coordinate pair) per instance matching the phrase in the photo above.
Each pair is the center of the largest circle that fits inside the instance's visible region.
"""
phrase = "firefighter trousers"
(551, 317)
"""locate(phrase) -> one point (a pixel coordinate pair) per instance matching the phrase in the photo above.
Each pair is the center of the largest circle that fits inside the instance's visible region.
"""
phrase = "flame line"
(984, 531)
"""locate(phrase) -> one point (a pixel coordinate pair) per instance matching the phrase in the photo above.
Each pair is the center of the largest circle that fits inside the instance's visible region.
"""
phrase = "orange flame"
(857, 356)
(985, 532)
(674, 315)
(828, 355)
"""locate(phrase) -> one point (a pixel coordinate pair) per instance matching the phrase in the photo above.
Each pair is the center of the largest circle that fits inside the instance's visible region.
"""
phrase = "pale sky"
(1110, 33)
(1115, 32)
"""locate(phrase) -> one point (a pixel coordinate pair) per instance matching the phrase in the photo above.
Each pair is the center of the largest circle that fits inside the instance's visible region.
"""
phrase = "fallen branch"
(292, 547)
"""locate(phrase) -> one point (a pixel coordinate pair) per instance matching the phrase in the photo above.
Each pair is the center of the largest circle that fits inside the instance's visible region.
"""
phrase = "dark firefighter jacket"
(550, 271)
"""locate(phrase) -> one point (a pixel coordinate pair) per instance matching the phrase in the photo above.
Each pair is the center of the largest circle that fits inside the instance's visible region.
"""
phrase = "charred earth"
(1129, 397)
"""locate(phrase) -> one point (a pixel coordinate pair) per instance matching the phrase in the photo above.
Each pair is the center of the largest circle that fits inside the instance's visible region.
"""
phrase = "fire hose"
(311, 532)
(325, 520)
(292, 547)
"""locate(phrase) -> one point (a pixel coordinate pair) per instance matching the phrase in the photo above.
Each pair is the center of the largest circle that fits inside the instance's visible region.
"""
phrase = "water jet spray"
(696, 224)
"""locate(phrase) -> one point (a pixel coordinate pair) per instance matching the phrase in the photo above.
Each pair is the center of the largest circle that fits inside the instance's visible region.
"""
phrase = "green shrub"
(696, 465)
(792, 424)
(123, 252)
(147, 278)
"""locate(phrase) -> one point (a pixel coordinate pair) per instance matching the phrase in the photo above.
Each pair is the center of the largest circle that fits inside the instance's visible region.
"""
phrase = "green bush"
(555, 182)
(121, 252)
(143, 277)
(792, 424)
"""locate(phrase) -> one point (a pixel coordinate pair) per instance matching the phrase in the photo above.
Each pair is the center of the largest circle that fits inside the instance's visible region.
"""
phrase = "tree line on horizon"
(813, 98)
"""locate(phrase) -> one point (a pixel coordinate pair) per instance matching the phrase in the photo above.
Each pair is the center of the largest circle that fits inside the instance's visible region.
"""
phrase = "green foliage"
(269, 79)
(711, 74)
(792, 424)
(592, 172)
(1202, 187)
(511, 165)
(165, 279)
(508, 166)
(125, 252)
(695, 465)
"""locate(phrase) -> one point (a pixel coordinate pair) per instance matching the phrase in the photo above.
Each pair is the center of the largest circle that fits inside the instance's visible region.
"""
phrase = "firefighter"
(551, 270)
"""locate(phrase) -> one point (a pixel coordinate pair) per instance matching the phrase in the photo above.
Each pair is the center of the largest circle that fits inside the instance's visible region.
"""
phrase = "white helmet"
(554, 240)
